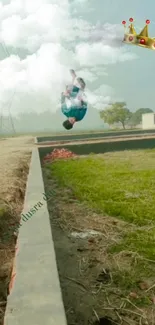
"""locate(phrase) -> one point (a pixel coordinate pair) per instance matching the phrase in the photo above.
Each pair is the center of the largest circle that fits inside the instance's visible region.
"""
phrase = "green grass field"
(120, 185)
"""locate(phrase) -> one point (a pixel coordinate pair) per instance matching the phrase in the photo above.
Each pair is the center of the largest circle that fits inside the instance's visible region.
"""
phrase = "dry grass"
(126, 245)
(14, 165)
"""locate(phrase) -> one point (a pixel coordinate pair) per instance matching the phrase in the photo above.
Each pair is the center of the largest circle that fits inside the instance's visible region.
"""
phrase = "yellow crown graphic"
(142, 39)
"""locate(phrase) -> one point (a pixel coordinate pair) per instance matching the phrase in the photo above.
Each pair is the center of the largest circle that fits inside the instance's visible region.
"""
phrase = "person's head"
(81, 83)
(68, 124)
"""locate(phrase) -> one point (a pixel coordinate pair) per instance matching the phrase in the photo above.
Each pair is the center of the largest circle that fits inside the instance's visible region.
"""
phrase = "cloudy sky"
(42, 39)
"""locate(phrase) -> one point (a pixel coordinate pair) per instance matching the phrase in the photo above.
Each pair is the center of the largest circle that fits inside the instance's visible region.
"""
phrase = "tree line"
(119, 113)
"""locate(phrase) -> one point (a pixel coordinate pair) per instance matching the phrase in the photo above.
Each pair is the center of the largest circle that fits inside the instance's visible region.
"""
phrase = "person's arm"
(63, 97)
(83, 99)
(65, 94)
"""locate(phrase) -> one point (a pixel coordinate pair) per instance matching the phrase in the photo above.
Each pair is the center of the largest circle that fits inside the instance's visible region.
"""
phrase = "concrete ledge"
(92, 135)
(36, 297)
(96, 140)
(35, 140)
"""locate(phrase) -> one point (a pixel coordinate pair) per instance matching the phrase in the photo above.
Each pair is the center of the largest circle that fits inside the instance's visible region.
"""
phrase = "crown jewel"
(142, 39)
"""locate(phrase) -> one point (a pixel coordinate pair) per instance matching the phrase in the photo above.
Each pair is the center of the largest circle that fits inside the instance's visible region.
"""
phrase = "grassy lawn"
(120, 185)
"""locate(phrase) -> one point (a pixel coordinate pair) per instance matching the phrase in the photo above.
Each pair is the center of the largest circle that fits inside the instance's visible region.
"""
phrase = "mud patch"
(10, 209)
(103, 321)
(78, 296)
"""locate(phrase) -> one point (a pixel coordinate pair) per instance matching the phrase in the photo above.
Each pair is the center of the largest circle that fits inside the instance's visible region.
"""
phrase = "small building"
(148, 121)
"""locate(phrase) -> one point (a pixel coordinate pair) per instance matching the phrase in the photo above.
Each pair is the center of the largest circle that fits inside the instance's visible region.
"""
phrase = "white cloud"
(101, 97)
(98, 101)
(100, 53)
(56, 42)
(34, 24)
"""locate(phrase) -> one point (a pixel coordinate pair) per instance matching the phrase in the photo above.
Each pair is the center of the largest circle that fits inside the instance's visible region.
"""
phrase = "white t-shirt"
(71, 102)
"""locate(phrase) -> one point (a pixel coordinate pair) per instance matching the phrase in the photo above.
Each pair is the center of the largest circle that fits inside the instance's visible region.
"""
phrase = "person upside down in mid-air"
(73, 102)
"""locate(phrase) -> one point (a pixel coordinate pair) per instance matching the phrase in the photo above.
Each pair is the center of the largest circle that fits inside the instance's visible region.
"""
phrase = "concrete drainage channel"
(91, 135)
(96, 140)
(36, 295)
(101, 147)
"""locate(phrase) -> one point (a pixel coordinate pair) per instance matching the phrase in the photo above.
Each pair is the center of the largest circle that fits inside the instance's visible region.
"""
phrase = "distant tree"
(136, 117)
(116, 113)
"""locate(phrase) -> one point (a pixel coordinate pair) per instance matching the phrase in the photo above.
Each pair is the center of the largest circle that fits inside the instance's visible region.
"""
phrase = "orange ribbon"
(13, 274)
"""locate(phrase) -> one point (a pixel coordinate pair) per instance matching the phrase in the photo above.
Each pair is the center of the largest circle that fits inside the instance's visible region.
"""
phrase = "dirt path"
(13, 151)
(14, 166)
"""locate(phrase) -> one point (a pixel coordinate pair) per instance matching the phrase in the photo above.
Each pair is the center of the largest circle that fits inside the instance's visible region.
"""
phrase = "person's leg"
(73, 74)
